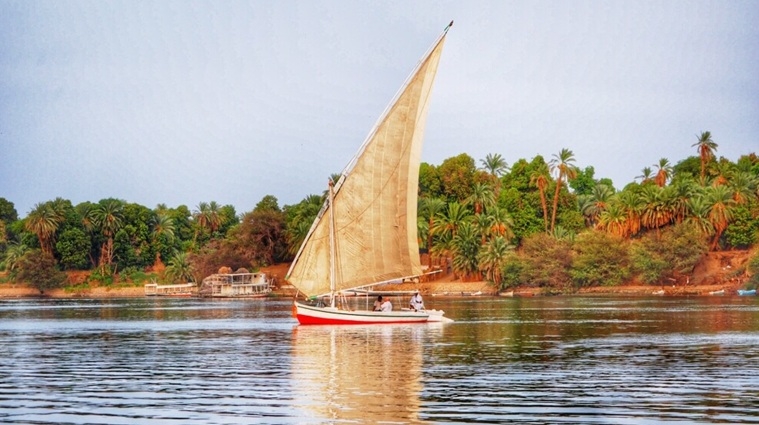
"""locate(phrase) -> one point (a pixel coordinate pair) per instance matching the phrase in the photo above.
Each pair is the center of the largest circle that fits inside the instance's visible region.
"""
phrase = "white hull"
(312, 315)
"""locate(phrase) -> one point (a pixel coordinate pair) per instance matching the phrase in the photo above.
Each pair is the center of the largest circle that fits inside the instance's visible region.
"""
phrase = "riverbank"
(711, 277)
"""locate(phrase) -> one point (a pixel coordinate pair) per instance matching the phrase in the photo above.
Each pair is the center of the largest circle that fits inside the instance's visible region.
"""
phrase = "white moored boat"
(365, 233)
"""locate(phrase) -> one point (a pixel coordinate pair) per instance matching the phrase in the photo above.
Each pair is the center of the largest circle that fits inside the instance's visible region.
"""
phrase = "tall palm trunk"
(544, 204)
(555, 202)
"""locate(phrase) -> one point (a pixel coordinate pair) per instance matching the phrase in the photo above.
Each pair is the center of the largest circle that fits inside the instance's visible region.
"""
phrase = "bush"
(40, 271)
(546, 261)
(600, 259)
(673, 254)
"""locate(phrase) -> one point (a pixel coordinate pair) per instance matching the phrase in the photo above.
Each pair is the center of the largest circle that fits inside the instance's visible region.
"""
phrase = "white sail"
(375, 200)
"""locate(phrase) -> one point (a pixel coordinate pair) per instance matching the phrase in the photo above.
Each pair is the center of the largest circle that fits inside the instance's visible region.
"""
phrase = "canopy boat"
(365, 233)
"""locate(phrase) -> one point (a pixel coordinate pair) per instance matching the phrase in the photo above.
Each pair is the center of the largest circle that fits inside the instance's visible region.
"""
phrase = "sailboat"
(365, 233)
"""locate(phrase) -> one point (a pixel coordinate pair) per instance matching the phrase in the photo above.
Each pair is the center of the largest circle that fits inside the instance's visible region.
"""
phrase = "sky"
(183, 102)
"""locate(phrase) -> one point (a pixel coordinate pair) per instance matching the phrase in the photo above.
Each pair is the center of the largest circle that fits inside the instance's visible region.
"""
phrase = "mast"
(332, 249)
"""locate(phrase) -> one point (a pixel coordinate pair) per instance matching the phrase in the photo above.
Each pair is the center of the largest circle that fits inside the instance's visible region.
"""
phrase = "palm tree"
(721, 205)
(107, 217)
(501, 223)
(448, 220)
(655, 213)
(698, 215)
(43, 221)
(646, 176)
(632, 205)
(428, 209)
(163, 227)
(540, 179)
(722, 171)
(465, 250)
(215, 220)
(683, 189)
(706, 148)
(179, 268)
(13, 255)
(565, 171)
(593, 205)
(208, 217)
(492, 257)
(482, 225)
(743, 185)
(496, 166)
(663, 172)
(613, 220)
(482, 197)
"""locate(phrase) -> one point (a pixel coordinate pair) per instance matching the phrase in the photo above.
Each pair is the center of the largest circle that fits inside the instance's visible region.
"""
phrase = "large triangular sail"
(375, 200)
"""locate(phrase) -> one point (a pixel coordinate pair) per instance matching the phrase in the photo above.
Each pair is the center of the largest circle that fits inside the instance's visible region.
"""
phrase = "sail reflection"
(365, 374)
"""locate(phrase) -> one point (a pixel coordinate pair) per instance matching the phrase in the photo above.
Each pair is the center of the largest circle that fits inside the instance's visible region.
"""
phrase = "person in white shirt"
(378, 304)
(416, 302)
(387, 305)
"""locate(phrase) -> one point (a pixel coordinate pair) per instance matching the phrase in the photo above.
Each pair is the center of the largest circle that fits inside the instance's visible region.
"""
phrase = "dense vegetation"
(543, 223)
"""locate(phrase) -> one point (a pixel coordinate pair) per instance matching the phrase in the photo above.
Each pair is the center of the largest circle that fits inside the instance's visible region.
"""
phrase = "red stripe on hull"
(310, 320)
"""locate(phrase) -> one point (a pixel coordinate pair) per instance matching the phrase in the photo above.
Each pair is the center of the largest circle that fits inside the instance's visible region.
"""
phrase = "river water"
(590, 360)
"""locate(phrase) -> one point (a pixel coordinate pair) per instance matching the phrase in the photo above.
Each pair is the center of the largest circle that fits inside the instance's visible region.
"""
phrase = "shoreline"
(427, 289)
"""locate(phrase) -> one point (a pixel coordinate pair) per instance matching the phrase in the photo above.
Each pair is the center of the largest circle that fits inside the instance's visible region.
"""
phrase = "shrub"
(600, 259)
(40, 271)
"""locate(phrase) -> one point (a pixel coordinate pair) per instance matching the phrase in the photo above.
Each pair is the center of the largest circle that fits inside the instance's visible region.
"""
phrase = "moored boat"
(365, 233)
(153, 289)
(236, 285)
(746, 292)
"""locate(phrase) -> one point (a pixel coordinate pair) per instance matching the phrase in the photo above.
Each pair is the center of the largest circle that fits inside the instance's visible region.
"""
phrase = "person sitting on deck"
(378, 304)
(416, 302)
(387, 306)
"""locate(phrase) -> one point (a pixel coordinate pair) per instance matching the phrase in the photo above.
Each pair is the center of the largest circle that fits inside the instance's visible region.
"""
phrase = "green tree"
(457, 175)
(73, 246)
(8, 212)
(39, 270)
(430, 182)
(261, 237)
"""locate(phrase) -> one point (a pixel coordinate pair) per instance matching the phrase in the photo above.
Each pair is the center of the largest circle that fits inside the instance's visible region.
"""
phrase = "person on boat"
(387, 306)
(416, 302)
(378, 304)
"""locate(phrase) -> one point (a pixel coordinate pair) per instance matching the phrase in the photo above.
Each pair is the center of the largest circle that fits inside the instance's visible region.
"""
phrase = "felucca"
(365, 233)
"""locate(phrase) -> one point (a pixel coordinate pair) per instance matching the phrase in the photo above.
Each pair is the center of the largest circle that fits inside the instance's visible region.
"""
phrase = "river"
(579, 360)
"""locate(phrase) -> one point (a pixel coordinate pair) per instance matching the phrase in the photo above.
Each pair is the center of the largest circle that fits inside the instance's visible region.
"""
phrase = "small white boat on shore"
(153, 289)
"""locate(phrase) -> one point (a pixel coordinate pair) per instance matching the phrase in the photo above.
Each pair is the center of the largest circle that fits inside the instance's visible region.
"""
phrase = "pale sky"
(181, 102)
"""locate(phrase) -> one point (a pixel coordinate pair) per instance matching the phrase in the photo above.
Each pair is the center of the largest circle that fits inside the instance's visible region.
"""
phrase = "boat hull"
(312, 315)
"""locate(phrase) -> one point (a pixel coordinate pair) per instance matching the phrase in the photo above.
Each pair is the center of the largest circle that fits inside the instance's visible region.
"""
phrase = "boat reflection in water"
(360, 373)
